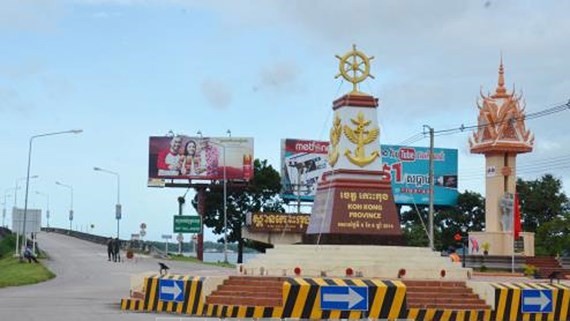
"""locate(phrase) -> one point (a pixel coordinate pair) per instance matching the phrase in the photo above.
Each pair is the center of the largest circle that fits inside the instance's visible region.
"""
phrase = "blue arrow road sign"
(336, 297)
(171, 290)
(536, 301)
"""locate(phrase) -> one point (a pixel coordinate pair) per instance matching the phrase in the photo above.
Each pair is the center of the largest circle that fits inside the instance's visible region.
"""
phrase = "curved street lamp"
(118, 213)
(73, 131)
(71, 205)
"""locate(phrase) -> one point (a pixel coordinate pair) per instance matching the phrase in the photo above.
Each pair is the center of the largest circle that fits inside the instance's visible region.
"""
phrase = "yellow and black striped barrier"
(193, 303)
(448, 315)
(508, 302)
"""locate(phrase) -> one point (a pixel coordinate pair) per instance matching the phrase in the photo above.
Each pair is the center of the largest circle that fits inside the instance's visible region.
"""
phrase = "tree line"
(545, 210)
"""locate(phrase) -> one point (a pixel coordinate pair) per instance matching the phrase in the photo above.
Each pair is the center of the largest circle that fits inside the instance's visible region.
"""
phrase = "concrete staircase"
(452, 295)
(365, 261)
(249, 291)
(546, 265)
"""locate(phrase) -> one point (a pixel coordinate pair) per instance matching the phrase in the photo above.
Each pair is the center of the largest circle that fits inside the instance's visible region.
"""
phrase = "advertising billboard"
(33, 220)
(206, 158)
(304, 161)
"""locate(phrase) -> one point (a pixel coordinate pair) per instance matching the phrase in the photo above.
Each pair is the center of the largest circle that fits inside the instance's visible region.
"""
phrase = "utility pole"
(431, 186)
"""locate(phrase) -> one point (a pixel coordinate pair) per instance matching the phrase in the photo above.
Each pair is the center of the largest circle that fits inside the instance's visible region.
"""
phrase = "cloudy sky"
(124, 70)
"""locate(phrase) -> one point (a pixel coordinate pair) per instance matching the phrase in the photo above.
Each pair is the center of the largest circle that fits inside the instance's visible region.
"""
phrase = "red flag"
(517, 227)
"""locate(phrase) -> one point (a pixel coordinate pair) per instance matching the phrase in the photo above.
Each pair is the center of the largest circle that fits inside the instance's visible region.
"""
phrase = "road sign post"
(187, 224)
(344, 298)
(536, 301)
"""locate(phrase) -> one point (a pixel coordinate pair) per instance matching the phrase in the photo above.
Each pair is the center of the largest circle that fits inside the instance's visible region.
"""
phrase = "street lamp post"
(70, 206)
(118, 213)
(73, 131)
(17, 187)
(465, 241)
(225, 203)
(47, 207)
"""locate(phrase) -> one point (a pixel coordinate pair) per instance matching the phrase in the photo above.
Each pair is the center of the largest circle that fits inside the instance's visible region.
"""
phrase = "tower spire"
(501, 91)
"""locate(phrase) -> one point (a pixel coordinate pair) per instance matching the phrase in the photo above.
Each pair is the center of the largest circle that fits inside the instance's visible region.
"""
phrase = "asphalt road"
(87, 285)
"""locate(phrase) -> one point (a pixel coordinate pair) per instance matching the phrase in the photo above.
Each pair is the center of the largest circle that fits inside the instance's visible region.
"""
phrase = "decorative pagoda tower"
(354, 202)
(501, 136)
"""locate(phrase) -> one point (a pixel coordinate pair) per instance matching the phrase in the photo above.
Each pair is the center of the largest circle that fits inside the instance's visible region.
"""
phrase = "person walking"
(110, 249)
(116, 250)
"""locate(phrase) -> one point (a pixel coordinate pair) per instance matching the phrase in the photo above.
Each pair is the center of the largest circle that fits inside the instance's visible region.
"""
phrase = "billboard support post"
(431, 186)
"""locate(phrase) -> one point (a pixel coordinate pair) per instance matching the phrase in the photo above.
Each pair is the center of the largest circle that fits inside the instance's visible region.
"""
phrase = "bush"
(530, 270)
(7, 245)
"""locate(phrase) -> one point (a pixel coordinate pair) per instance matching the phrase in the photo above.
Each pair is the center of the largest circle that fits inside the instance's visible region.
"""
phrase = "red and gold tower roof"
(501, 122)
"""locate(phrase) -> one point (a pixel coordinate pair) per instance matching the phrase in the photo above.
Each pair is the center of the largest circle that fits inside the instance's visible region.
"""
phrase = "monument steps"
(248, 291)
(442, 295)
(547, 265)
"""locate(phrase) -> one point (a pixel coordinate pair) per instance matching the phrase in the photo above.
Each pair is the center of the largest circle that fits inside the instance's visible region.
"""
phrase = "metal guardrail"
(81, 235)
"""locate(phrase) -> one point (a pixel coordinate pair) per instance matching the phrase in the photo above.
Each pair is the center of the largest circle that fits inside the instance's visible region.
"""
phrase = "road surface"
(87, 286)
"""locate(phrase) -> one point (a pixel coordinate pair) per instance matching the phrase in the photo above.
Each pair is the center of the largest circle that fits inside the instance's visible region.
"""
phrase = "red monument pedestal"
(354, 207)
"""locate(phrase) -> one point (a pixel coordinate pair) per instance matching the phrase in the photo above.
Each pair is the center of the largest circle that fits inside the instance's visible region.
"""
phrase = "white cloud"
(32, 15)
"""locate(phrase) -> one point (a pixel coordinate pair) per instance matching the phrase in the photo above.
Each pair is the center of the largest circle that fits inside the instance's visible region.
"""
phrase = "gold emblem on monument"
(354, 66)
(336, 133)
(360, 136)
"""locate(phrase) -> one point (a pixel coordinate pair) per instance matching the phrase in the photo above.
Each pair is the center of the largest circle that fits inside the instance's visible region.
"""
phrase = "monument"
(354, 202)
(500, 136)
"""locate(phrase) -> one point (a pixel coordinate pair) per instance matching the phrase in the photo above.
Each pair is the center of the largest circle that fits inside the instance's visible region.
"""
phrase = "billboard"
(33, 220)
(186, 157)
(304, 161)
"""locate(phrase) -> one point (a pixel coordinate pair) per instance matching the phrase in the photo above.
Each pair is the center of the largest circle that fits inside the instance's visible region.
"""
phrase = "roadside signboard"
(344, 298)
(187, 224)
(536, 301)
(171, 290)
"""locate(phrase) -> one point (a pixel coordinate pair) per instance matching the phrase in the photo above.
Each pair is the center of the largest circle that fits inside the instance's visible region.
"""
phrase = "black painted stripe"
(453, 316)
(291, 299)
(187, 288)
(558, 311)
(344, 314)
(249, 312)
(508, 303)
(215, 310)
(311, 297)
(268, 312)
(421, 315)
(388, 300)
(325, 314)
(224, 311)
(481, 315)
(372, 288)
(147, 292)
(437, 315)
(468, 315)
(196, 295)
(156, 295)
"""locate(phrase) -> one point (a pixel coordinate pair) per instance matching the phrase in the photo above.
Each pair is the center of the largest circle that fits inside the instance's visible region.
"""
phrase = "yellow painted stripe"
(429, 314)
(398, 302)
(123, 304)
(555, 294)
(277, 313)
(152, 294)
(446, 315)
(473, 315)
(210, 310)
(241, 311)
(515, 304)
(565, 304)
(301, 299)
(335, 314)
(413, 313)
(258, 312)
(460, 315)
(317, 312)
(381, 289)
(500, 308)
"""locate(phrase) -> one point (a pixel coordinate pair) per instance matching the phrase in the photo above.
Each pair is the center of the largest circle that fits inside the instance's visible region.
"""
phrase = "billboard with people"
(207, 158)
(304, 161)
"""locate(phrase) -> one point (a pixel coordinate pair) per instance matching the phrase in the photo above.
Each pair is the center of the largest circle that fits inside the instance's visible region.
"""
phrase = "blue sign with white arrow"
(171, 290)
(536, 301)
(344, 298)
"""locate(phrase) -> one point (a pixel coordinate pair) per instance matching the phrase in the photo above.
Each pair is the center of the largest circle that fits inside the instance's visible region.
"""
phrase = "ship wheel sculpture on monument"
(354, 66)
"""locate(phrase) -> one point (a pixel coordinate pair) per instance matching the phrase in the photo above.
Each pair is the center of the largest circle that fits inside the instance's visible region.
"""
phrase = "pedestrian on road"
(29, 255)
(116, 250)
(110, 249)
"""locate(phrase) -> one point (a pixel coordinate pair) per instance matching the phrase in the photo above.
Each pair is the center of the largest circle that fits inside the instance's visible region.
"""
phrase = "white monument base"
(501, 243)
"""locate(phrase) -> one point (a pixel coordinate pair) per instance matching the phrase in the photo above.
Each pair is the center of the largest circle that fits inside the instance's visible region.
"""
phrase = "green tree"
(541, 201)
(469, 212)
(553, 237)
(260, 195)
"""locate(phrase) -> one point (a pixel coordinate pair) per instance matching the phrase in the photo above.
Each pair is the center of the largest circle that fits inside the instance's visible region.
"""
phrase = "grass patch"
(15, 273)
(190, 259)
